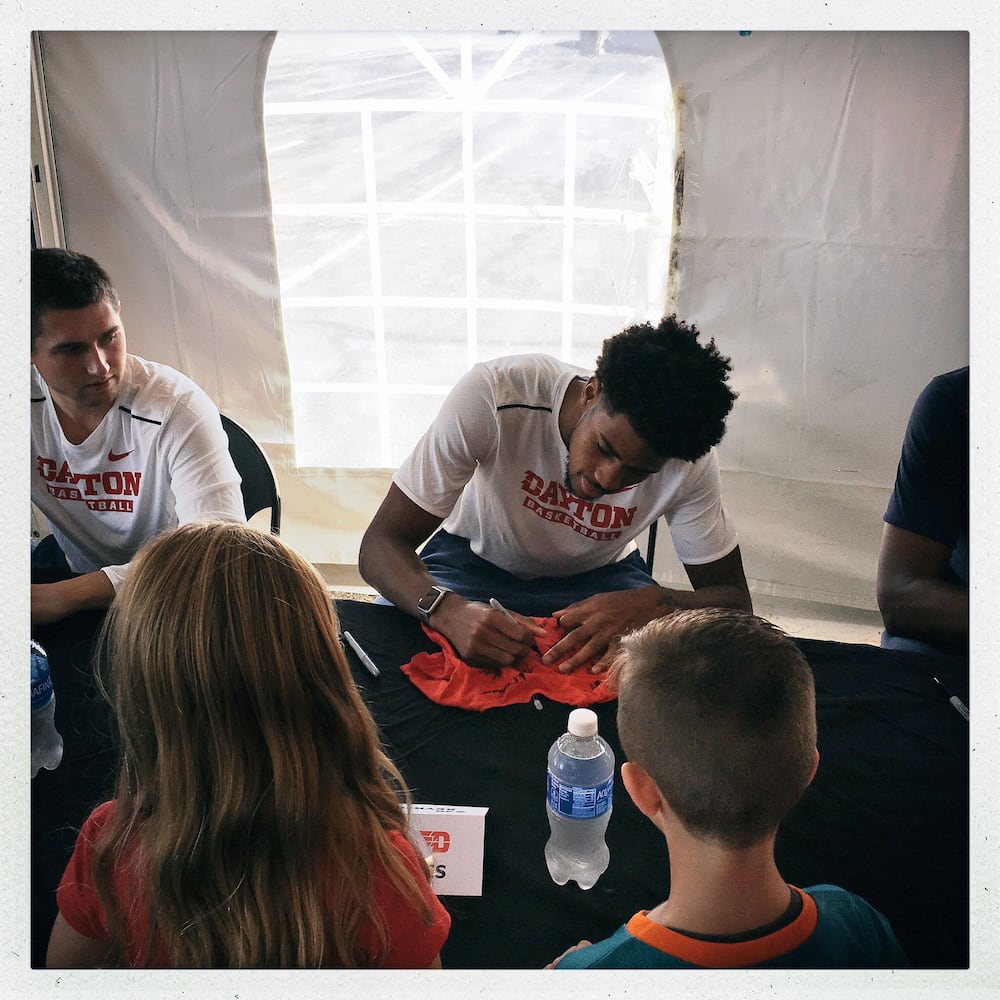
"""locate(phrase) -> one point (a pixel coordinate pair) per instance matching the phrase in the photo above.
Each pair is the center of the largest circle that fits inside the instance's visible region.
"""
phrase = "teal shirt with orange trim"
(834, 930)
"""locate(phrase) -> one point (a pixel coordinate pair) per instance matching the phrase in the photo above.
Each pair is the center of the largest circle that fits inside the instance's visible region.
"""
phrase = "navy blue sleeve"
(931, 493)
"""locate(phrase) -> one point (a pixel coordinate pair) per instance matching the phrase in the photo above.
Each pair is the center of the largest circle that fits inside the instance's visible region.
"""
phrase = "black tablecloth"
(886, 816)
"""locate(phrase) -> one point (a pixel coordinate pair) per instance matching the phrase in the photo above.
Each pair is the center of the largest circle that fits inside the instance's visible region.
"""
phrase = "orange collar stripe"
(719, 955)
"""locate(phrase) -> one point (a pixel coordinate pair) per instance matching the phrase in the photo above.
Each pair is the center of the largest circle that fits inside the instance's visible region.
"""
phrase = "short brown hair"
(62, 279)
(719, 708)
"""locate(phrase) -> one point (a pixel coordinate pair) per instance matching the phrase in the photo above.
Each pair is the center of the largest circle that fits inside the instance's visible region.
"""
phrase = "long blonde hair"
(253, 793)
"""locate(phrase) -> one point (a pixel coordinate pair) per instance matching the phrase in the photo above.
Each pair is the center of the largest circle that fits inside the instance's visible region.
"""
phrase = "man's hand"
(576, 947)
(596, 623)
(482, 636)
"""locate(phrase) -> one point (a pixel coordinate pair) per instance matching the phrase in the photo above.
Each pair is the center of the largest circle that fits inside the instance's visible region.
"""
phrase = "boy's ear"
(643, 791)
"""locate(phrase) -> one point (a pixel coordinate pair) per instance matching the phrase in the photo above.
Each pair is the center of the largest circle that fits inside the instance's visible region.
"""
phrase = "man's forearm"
(51, 602)
(927, 609)
(720, 595)
(397, 573)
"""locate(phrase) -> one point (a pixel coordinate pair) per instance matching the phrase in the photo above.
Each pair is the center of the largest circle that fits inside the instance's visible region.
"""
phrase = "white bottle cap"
(583, 722)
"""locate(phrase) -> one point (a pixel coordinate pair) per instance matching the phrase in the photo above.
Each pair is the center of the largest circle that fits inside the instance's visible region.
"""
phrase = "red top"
(448, 680)
(412, 944)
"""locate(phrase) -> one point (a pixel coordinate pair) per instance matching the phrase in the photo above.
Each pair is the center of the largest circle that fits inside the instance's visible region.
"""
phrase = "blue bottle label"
(578, 802)
(41, 692)
(41, 679)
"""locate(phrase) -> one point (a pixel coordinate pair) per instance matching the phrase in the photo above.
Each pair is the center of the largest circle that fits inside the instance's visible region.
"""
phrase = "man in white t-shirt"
(536, 477)
(121, 448)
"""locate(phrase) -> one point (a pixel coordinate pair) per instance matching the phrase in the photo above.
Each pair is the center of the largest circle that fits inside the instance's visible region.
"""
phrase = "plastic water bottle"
(580, 783)
(46, 743)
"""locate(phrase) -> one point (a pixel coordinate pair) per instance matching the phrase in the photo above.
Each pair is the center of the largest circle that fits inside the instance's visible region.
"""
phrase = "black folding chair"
(651, 546)
(260, 485)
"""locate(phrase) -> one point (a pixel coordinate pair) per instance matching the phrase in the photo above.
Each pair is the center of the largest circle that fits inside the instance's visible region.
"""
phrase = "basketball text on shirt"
(101, 491)
(553, 502)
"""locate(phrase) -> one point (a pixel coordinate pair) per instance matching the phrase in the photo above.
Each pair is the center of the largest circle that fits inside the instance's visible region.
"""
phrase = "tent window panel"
(629, 181)
(440, 199)
(322, 256)
(501, 242)
(332, 345)
(338, 417)
(610, 257)
(589, 332)
(422, 257)
(332, 418)
(514, 158)
(412, 413)
(425, 346)
(431, 170)
(299, 162)
(520, 331)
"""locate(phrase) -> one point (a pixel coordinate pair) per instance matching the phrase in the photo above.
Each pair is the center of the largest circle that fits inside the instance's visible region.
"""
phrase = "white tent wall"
(158, 147)
(822, 241)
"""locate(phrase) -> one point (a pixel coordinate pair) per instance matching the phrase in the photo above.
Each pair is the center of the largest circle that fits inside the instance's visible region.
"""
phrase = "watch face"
(429, 601)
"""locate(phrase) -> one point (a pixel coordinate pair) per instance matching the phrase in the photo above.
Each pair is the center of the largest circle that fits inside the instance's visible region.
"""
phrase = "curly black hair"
(673, 390)
(63, 279)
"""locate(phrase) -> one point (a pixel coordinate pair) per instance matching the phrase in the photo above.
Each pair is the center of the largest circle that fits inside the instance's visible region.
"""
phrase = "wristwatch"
(430, 600)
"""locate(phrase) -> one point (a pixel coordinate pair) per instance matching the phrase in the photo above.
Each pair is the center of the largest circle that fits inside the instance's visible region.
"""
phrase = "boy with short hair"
(717, 718)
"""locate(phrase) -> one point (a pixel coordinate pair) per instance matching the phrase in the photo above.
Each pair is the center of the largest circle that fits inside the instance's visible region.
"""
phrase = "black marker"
(954, 699)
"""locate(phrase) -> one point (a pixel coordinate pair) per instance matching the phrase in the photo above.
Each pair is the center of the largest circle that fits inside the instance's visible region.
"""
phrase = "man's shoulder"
(958, 379)
(527, 379)
(144, 373)
(154, 389)
(525, 364)
(949, 391)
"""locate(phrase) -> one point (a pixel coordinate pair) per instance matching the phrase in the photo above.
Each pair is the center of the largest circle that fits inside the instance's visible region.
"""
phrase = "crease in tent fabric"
(448, 680)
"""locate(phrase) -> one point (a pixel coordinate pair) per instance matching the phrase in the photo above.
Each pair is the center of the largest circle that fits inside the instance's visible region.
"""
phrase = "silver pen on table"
(362, 655)
(955, 701)
(497, 606)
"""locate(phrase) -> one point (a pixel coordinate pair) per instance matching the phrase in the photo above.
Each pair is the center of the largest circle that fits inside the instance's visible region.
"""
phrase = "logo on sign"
(437, 840)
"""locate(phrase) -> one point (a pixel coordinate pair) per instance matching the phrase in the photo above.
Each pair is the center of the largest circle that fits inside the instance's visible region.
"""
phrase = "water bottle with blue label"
(46, 743)
(580, 783)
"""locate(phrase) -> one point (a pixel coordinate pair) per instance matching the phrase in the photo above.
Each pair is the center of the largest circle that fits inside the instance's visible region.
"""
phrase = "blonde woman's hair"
(253, 794)
(719, 708)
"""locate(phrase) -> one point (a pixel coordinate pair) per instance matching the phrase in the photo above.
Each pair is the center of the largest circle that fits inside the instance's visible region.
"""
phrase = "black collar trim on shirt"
(38, 399)
(789, 916)
(135, 416)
